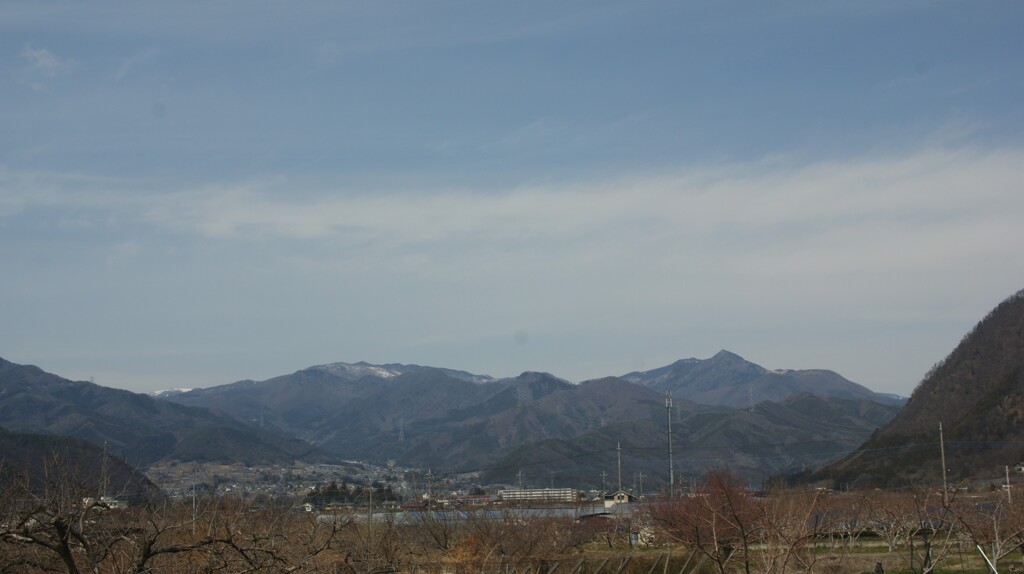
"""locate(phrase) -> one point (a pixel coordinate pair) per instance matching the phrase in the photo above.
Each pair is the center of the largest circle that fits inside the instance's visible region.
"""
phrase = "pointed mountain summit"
(977, 393)
(728, 379)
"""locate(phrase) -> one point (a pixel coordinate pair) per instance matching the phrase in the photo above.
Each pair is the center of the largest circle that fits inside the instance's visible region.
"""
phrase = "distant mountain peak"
(728, 379)
(538, 375)
(734, 361)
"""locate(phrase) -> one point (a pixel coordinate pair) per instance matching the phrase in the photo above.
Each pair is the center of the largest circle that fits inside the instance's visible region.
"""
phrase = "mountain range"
(537, 428)
(455, 421)
(538, 424)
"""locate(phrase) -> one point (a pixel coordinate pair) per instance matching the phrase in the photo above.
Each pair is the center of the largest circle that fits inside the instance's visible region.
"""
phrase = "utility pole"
(618, 450)
(942, 451)
(369, 515)
(1009, 497)
(603, 487)
(193, 500)
(671, 468)
(104, 471)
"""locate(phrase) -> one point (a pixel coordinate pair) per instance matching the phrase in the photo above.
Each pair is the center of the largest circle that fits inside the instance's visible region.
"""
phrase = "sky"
(193, 194)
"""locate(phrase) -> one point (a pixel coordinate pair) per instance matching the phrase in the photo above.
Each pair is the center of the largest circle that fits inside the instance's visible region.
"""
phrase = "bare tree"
(50, 527)
(892, 517)
(510, 536)
(849, 519)
(377, 543)
(61, 526)
(789, 524)
(442, 530)
(719, 520)
(936, 528)
(995, 524)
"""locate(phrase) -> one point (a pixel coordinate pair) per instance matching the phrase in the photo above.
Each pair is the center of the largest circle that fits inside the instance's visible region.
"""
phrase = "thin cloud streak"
(923, 189)
(920, 193)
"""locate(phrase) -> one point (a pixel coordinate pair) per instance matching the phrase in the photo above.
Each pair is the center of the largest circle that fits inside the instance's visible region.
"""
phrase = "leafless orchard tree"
(598, 530)
(849, 520)
(922, 520)
(513, 537)
(995, 524)
(892, 517)
(438, 530)
(62, 526)
(719, 520)
(936, 528)
(275, 538)
(377, 543)
(789, 525)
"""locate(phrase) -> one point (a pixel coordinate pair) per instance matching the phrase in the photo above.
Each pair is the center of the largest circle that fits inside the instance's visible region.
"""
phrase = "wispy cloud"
(926, 190)
(736, 227)
(43, 66)
(44, 62)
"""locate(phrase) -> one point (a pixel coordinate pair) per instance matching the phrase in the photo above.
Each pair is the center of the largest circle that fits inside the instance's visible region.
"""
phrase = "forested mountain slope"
(977, 393)
(139, 428)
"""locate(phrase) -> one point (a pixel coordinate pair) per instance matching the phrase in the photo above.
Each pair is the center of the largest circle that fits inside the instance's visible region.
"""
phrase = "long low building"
(540, 495)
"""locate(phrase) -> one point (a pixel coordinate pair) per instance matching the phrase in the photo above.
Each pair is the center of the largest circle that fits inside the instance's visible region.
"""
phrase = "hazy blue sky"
(196, 193)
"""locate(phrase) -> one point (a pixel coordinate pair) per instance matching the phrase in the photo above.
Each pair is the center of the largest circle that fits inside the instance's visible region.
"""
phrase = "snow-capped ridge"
(354, 371)
(358, 370)
(169, 392)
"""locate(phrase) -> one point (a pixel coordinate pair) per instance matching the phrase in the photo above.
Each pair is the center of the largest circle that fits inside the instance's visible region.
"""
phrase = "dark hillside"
(139, 428)
(772, 438)
(977, 393)
(40, 458)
